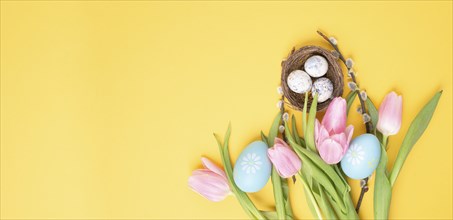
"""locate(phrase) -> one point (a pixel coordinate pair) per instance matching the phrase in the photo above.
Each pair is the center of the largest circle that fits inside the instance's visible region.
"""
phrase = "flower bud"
(285, 161)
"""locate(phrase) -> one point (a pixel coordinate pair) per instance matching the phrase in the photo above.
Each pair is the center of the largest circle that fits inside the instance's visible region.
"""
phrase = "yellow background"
(106, 107)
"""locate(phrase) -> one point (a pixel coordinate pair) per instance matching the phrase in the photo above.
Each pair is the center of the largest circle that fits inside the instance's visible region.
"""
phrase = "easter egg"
(253, 168)
(299, 81)
(324, 88)
(316, 66)
(362, 157)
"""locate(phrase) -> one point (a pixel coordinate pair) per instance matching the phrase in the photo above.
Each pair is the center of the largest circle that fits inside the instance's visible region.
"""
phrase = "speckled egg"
(323, 87)
(299, 81)
(362, 157)
(252, 168)
(316, 66)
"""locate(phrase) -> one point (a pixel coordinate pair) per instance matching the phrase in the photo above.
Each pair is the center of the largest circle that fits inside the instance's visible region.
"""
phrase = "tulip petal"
(284, 159)
(390, 113)
(340, 138)
(348, 132)
(322, 134)
(280, 142)
(335, 118)
(212, 187)
(214, 168)
(330, 151)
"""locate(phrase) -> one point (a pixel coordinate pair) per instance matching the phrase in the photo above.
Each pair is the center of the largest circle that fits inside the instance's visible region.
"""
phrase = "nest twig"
(296, 61)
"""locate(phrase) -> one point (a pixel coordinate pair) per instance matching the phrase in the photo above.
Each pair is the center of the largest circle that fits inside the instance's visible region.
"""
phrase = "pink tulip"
(390, 111)
(285, 161)
(210, 182)
(332, 137)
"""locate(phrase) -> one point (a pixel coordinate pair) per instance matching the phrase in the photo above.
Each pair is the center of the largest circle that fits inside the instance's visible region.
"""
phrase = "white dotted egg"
(323, 87)
(316, 66)
(299, 81)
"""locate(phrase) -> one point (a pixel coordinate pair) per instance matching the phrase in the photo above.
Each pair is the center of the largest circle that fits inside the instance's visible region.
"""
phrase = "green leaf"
(276, 180)
(350, 214)
(269, 214)
(311, 201)
(304, 115)
(315, 159)
(383, 189)
(326, 207)
(278, 194)
(325, 180)
(374, 113)
(295, 132)
(264, 138)
(310, 133)
(416, 129)
(241, 196)
(285, 187)
(321, 172)
(272, 215)
(340, 174)
(273, 132)
(350, 99)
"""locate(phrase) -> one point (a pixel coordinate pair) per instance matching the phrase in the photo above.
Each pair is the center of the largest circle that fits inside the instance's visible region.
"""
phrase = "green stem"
(385, 141)
(311, 198)
(278, 194)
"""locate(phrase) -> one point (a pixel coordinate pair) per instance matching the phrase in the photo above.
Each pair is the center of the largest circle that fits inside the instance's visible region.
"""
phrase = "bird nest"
(295, 61)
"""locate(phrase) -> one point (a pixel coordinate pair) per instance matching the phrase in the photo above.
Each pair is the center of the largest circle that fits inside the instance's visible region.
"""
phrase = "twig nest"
(329, 86)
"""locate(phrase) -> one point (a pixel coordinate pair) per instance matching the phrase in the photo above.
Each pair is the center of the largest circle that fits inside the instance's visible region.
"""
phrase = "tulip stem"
(368, 124)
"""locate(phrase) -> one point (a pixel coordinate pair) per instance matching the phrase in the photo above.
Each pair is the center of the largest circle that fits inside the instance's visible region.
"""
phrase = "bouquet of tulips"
(322, 155)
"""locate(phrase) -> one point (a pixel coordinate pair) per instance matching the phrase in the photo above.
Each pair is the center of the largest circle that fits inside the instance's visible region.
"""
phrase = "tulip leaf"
(383, 189)
(304, 115)
(278, 194)
(350, 214)
(295, 132)
(242, 197)
(326, 207)
(314, 157)
(276, 180)
(285, 187)
(323, 173)
(340, 174)
(415, 131)
(310, 133)
(350, 99)
(273, 132)
(324, 180)
(311, 201)
(264, 138)
(269, 214)
(374, 113)
(272, 215)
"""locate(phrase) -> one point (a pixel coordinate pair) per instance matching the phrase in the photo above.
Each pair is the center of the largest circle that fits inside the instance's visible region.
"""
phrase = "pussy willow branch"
(368, 124)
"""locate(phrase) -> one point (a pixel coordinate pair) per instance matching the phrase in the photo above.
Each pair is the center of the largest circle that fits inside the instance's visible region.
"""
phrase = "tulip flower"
(210, 182)
(285, 161)
(332, 137)
(390, 111)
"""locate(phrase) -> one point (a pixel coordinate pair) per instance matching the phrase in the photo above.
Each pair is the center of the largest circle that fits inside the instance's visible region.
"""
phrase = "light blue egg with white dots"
(252, 168)
(362, 157)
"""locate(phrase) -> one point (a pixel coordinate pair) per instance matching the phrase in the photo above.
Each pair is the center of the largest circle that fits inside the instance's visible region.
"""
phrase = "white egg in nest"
(316, 66)
(323, 87)
(299, 81)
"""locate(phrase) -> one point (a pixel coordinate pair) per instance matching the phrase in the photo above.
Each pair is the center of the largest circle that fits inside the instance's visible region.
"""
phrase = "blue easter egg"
(253, 168)
(362, 157)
